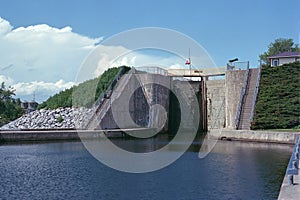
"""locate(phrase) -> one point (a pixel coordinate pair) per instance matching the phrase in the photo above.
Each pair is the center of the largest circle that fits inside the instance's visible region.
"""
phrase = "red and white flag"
(188, 62)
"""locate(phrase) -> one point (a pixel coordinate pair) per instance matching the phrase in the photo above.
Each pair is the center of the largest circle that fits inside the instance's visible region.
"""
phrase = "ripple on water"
(65, 170)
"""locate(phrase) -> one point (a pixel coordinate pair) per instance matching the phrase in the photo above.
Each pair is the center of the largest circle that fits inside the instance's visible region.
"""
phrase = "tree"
(279, 46)
(10, 108)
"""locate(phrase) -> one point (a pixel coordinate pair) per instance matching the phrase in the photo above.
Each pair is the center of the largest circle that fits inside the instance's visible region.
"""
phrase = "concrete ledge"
(38, 135)
(255, 136)
(289, 192)
(47, 135)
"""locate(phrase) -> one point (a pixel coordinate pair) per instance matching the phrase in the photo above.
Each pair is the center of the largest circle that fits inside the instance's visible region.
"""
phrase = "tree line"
(86, 93)
(10, 108)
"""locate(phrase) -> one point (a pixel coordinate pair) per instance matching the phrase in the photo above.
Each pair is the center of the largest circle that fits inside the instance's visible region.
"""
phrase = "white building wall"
(286, 60)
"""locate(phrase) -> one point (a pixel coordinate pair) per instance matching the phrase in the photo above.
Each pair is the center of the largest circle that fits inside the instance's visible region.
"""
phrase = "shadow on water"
(141, 145)
(233, 170)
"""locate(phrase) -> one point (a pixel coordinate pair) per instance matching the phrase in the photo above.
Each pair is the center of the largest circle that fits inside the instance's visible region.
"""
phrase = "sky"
(43, 43)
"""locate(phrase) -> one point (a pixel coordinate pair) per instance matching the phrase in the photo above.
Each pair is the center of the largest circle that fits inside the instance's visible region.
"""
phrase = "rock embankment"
(60, 118)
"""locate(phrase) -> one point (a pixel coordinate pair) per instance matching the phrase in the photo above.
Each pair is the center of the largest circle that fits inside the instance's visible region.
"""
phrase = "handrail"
(255, 94)
(111, 86)
(243, 91)
(114, 94)
(293, 165)
(153, 70)
(105, 95)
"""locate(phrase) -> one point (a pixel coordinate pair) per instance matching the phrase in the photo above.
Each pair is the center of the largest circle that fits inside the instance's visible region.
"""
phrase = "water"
(66, 170)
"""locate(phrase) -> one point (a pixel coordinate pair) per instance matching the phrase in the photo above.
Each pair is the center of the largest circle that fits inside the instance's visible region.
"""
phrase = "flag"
(188, 62)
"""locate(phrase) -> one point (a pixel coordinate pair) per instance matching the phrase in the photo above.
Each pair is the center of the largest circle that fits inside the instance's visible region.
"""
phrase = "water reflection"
(65, 170)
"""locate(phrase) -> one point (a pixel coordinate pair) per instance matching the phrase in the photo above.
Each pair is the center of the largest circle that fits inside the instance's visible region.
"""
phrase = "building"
(29, 106)
(284, 58)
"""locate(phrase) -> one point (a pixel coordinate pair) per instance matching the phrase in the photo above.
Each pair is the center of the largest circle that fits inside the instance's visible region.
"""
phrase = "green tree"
(10, 108)
(279, 46)
(86, 93)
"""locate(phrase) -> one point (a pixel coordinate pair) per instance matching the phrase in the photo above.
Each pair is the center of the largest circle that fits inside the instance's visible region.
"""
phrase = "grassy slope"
(278, 103)
(89, 92)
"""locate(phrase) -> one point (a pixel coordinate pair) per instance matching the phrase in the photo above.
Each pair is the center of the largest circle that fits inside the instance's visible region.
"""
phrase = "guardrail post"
(290, 179)
(293, 166)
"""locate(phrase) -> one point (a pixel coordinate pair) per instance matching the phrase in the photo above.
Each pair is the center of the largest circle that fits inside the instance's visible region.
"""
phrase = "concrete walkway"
(290, 192)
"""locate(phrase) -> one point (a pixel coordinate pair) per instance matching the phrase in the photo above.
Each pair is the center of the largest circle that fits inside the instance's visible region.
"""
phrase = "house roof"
(286, 55)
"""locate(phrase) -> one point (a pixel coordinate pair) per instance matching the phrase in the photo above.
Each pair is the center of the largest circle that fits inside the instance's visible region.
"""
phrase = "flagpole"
(190, 61)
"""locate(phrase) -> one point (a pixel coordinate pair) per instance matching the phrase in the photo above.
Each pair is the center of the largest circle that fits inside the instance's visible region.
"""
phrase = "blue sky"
(226, 29)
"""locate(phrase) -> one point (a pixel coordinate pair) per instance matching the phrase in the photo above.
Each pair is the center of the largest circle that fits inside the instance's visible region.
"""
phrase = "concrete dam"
(155, 98)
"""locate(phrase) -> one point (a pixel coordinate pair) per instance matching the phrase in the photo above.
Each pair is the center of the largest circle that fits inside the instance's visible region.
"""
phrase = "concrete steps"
(244, 123)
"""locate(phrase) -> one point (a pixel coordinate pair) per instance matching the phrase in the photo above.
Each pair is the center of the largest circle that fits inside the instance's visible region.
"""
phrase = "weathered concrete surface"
(156, 90)
(138, 100)
(186, 94)
(233, 83)
(255, 136)
(48, 135)
(33, 135)
(290, 192)
(215, 103)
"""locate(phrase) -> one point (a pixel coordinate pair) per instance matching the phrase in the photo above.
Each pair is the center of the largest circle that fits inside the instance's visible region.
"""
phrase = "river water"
(66, 170)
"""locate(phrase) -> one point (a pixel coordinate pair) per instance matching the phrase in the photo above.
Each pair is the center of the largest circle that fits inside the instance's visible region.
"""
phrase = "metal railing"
(242, 95)
(152, 70)
(238, 66)
(105, 95)
(255, 94)
(293, 166)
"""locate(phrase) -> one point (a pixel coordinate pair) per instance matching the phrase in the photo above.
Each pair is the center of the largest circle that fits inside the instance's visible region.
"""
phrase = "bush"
(278, 103)
(60, 119)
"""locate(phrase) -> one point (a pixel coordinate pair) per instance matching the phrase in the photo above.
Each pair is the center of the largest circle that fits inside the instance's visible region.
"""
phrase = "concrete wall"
(255, 136)
(233, 83)
(215, 94)
(156, 90)
(152, 90)
(185, 100)
(8, 136)
(127, 107)
(139, 100)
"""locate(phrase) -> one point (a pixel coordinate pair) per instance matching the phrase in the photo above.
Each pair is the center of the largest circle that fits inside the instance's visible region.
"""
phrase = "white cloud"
(41, 52)
(41, 89)
(41, 86)
(140, 58)
(41, 56)
(43, 60)
(5, 27)
(7, 80)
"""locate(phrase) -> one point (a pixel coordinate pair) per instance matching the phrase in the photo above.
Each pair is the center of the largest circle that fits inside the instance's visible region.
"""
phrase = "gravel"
(60, 118)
